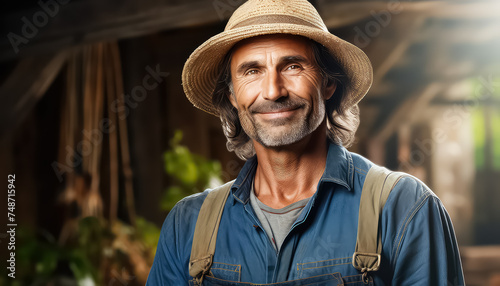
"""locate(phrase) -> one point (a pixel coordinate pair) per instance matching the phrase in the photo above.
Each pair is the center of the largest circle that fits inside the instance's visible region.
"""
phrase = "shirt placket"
(270, 251)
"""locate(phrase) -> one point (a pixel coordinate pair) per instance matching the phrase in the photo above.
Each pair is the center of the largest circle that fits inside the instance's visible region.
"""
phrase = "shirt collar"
(339, 167)
(339, 170)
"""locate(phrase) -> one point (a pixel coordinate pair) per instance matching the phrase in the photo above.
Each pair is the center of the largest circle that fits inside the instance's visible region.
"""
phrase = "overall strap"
(378, 185)
(205, 232)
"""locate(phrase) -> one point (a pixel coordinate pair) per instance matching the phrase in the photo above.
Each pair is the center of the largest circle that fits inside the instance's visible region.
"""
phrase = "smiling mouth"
(284, 110)
(277, 110)
(279, 113)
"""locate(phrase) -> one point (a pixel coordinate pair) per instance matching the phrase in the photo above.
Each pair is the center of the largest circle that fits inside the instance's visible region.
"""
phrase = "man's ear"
(330, 89)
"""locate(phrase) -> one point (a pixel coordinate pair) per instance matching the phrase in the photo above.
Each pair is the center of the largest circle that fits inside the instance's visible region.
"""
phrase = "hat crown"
(259, 12)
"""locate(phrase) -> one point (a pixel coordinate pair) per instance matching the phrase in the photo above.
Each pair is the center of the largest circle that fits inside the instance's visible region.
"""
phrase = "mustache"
(284, 103)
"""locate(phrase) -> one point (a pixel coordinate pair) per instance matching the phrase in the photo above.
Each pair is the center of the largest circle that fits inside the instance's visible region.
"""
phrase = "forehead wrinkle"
(260, 52)
(282, 60)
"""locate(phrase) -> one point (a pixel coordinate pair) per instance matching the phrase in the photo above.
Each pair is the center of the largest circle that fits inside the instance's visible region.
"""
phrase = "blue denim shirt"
(419, 245)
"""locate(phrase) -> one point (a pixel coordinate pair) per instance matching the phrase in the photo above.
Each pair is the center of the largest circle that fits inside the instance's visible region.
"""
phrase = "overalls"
(376, 189)
(326, 279)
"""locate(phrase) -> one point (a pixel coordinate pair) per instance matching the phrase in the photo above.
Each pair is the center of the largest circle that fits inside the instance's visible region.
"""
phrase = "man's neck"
(290, 173)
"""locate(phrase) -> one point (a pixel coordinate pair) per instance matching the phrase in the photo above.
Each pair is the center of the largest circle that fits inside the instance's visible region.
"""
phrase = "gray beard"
(294, 133)
(267, 138)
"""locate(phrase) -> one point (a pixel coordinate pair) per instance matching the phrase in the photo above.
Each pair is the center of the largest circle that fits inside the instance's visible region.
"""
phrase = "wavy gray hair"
(342, 120)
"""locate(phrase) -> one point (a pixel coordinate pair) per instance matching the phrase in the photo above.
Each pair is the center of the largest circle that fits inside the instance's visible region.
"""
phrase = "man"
(286, 91)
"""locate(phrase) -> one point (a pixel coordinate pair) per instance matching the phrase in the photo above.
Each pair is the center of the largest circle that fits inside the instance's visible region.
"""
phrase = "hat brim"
(203, 67)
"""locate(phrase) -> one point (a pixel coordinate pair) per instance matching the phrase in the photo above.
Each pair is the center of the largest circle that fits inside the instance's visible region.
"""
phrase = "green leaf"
(171, 197)
(191, 173)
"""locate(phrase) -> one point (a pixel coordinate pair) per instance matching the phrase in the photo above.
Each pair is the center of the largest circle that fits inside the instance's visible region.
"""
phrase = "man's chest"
(321, 241)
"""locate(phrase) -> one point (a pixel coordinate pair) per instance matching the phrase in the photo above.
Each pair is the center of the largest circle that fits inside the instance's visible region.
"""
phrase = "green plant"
(96, 252)
(41, 260)
(191, 173)
(149, 234)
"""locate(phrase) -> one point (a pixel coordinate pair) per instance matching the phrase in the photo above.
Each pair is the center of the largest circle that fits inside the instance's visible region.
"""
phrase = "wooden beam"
(408, 111)
(396, 52)
(81, 22)
(379, 102)
(25, 86)
(481, 263)
(467, 102)
(338, 14)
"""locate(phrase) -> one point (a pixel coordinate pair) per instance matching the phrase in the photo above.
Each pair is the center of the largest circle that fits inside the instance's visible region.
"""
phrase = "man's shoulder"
(191, 205)
(407, 188)
(361, 164)
(185, 212)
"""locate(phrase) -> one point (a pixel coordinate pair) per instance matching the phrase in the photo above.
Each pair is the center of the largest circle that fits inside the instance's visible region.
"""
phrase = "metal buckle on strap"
(364, 268)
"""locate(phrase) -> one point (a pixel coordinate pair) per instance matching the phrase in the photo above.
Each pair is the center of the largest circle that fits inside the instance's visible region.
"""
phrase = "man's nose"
(273, 87)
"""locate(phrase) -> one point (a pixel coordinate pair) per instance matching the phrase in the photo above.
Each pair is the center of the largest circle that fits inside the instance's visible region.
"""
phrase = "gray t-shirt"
(276, 222)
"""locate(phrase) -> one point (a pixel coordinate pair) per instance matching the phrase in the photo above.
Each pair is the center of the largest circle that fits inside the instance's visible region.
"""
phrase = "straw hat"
(264, 17)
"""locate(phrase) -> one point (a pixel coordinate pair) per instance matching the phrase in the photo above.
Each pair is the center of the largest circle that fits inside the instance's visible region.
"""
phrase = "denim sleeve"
(425, 249)
(168, 267)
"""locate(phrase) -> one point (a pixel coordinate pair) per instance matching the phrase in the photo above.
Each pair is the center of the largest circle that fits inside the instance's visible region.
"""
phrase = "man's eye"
(293, 67)
(251, 72)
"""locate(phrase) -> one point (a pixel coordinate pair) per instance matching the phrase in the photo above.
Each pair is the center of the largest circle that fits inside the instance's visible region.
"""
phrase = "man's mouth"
(282, 110)
(278, 113)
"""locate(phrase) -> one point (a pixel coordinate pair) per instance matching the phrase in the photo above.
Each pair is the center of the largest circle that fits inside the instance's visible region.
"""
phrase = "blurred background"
(102, 141)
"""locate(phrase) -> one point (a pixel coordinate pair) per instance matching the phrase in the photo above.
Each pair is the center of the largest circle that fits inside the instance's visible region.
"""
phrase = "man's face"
(278, 89)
